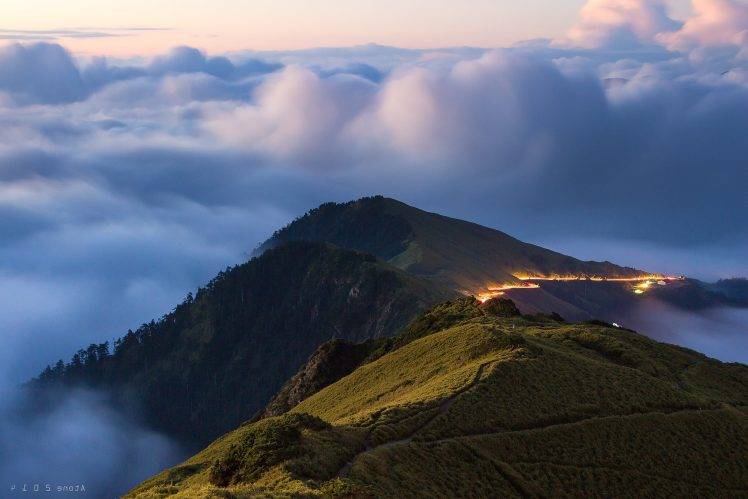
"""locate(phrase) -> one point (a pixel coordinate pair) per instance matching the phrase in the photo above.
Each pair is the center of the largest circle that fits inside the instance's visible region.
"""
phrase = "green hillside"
(455, 253)
(475, 400)
(220, 356)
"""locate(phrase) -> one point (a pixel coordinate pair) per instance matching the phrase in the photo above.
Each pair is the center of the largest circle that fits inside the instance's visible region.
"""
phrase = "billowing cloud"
(646, 24)
(45, 73)
(296, 116)
(40, 73)
(534, 132)
(716, 23)
(621, 24)
(191, 60)
(714, 38)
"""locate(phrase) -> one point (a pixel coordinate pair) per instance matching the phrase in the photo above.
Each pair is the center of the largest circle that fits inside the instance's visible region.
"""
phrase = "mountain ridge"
(463, 255)
(485, 262)
(481, 402)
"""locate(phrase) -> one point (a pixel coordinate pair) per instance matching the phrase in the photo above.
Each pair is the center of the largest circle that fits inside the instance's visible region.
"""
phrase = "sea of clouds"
(124, 184)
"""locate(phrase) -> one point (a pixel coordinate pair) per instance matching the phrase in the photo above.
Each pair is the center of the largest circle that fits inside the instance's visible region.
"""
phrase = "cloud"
(191, 60)
(510, 133)
(45, 73)
(296, 116)
(40, 73)
(80, 441)
(717, 29)
(52, 34)
(719, 333)
(534, 132)
(620, 24)
(716, 23)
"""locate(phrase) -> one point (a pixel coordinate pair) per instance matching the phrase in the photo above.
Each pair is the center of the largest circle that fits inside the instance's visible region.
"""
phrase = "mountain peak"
(462, 255)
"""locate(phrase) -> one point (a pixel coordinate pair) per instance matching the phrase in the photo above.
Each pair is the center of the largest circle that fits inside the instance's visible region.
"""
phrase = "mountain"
(477, 260)
(455, 253)
(221, 355)
(475, 400)
(735, 289)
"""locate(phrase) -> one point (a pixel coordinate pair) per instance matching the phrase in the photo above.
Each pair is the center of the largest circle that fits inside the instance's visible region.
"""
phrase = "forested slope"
(221, 355)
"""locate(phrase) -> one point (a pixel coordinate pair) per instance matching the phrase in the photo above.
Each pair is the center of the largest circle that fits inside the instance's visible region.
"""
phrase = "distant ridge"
(462, 255)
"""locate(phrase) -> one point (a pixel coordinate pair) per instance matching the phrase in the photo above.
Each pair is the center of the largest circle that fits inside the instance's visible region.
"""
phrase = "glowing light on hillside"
(494, 291)
(642, 283)
(642, 287)
(484, 297)
(650, 277)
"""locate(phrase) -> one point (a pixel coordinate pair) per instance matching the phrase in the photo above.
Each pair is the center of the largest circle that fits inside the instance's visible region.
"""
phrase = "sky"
(137, 163)
(142, 27)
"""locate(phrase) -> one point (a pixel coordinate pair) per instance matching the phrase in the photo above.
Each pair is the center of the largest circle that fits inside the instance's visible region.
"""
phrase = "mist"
(77, 441)
(720, 333)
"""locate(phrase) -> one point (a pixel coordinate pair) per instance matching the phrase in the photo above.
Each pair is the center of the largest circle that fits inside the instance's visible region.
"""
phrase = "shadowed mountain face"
(734, 289)
(477, 401)
(219, 357)
(458, 254)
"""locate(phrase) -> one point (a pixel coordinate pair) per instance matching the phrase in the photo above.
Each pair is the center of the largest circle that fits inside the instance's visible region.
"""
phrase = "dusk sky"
(105, 27)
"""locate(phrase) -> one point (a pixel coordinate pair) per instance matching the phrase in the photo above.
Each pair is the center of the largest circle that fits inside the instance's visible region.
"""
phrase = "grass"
(421, 372)
(468, 402)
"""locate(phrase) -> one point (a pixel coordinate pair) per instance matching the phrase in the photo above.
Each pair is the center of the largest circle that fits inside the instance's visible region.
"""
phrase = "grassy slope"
(481, 405)
(474, 257)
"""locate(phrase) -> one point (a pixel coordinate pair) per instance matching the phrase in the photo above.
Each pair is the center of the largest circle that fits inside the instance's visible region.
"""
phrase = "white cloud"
(296, 115)
(620, 24)
(716, 23)
(718, 29)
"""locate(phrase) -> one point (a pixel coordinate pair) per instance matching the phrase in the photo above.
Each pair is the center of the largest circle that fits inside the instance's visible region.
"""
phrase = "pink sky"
(223, 25)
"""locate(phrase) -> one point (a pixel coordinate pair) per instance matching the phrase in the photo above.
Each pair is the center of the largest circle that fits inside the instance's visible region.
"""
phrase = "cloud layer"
(80, 442)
